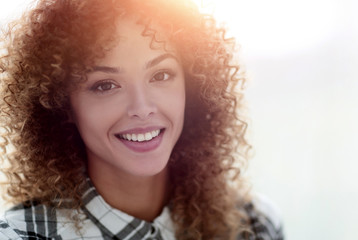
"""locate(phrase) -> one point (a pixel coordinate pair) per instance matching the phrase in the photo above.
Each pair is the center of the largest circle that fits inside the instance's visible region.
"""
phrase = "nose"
(141, 105)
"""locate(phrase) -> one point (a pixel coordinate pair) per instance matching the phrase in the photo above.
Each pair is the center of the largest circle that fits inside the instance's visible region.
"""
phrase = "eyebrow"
(105, 69)
(159, 59)
(149, 64)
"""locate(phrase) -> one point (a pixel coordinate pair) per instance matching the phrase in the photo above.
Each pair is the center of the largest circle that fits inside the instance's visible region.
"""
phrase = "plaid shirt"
(100, 221)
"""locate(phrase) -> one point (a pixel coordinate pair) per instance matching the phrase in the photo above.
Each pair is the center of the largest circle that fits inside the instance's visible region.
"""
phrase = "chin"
(149, 167)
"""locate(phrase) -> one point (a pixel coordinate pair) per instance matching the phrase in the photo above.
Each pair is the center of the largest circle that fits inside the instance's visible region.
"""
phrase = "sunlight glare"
(277, 26)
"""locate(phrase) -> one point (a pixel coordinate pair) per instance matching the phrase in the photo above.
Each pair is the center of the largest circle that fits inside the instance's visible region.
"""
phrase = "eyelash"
(96, 87)
(169, 74)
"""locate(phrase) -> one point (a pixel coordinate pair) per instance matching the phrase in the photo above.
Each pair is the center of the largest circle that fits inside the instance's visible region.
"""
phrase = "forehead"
(130, 34)
(133, 44)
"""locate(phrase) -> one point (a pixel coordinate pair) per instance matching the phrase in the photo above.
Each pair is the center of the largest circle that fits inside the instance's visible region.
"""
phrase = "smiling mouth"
(141, 137)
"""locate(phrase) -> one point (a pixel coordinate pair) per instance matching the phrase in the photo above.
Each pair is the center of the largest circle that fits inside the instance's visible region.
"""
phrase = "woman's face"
(130, 111)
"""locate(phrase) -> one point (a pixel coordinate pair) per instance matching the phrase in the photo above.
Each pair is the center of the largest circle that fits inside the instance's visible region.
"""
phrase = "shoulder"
(34, 221)
(7, 232)
(13, 224)
(264, 219)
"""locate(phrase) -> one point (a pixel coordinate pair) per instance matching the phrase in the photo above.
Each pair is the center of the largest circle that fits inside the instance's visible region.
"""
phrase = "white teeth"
(141, 137)
(134, 137)
(155, 133)
(148, 136)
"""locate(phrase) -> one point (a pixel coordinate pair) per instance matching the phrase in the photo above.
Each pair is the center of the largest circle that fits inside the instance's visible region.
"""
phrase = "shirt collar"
(119, 225)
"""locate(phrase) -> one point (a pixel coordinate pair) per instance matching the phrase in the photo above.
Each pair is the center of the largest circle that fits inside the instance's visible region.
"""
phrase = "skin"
(133, 89)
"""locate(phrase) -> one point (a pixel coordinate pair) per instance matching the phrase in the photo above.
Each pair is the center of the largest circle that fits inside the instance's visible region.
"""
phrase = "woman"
(124, 122)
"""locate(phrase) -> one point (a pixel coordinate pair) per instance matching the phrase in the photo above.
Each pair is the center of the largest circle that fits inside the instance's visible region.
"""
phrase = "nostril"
(140, 103)
(142, 111)
(141, 115)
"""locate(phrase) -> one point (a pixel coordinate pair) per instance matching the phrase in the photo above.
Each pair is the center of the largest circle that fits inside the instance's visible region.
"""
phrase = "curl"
(48, 54)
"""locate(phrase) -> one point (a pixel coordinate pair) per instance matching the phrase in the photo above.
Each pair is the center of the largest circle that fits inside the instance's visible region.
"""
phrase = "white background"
(302, 60)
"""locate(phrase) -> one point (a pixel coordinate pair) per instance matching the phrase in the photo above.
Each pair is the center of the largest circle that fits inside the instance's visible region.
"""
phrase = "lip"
(144, 146)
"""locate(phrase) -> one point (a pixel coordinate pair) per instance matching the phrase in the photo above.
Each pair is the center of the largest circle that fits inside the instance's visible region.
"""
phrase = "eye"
(162, 76)
(104, 86)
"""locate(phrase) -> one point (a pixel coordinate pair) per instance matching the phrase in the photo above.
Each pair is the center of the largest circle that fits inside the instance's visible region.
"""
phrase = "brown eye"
(104, 86)
(162, 76)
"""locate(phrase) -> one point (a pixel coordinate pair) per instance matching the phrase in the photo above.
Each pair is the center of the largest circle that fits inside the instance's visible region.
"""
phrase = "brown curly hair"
(49, 50)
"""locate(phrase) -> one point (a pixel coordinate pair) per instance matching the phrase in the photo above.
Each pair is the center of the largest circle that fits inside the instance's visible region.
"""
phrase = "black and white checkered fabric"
(99, 221)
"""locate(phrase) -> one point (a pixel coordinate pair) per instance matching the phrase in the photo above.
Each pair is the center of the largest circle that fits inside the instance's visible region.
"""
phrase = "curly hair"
(50, 49)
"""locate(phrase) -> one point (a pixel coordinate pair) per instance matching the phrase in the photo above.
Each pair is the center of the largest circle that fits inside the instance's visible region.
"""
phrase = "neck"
(140, 196)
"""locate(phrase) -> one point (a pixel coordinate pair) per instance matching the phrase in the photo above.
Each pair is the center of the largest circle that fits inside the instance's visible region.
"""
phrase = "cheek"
(176, 105)
(180, 101)
(89, 116)
(93, 124)
(181, 106)
(85, 119)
